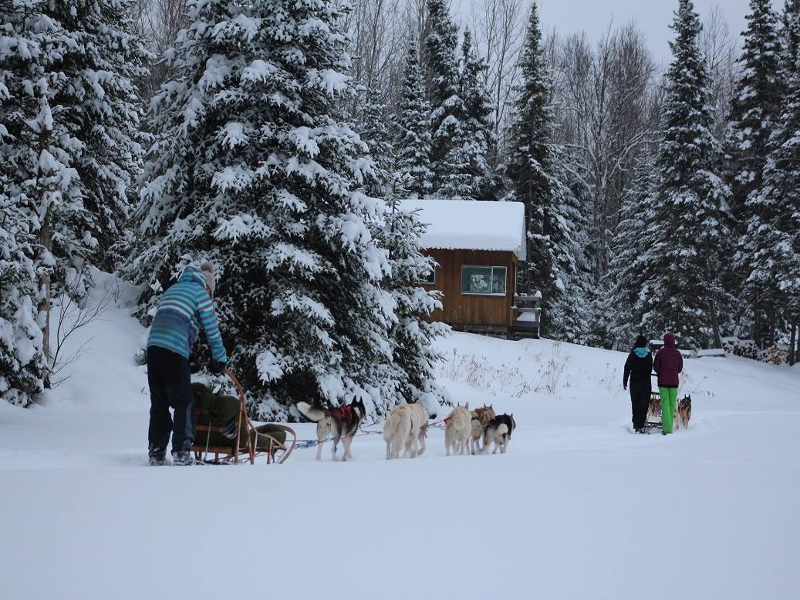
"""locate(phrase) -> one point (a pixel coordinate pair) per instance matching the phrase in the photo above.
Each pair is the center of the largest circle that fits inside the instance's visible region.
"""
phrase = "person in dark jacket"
(668, 365)
(183, 310)
(638, 367)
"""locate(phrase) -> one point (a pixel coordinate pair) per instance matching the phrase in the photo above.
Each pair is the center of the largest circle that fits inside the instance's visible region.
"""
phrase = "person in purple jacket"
(668, 365)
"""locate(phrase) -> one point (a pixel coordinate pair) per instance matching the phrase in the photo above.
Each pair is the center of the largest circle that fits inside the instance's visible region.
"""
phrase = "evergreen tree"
(252, 171)
(412, 135)
(22, 366)
(449, 165)
(789, 42)
(480, 142)
(413, 333)
(551, 209)
(755, 105)
(691, 216)
(631, 256)
(754, 112)
(71, 145)
(770, 248)
(374, 131)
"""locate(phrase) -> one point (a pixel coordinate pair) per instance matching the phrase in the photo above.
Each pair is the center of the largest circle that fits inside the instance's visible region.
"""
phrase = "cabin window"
(429, 278)
(483, 281)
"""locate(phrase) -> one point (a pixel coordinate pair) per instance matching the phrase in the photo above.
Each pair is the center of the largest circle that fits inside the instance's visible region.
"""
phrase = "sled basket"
(654, 419)
(273, 441)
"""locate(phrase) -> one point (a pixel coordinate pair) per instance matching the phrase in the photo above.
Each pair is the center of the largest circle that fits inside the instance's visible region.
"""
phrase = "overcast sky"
(653, 16)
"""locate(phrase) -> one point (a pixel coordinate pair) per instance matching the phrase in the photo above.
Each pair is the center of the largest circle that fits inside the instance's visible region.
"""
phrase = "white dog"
(457, 430)
(405, 429)
(415, 443)
(396, 430)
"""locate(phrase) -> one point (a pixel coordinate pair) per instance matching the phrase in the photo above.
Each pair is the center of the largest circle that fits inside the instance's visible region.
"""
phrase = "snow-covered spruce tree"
(465, 171)
(22, 366)
(754, 112)
(251, 171)
(449, 165)
(771, 244)
(631, 255)
(75, 109)
(412, 334)
(478, 124)
(549, 207)
(412, 133)
(374, 129)
(70, 142)
(788, 42)
(755, 106)
(691, 216)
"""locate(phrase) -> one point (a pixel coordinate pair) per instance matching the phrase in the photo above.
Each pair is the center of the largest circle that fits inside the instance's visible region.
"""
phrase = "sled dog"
(499, 431)
(457, 429)
(341, 423)
(415, 443)
(684, 411)
(397, 430)
(480, 419)
(405, 429)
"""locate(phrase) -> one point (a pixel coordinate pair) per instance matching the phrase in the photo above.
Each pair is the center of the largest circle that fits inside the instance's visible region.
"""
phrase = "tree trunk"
(756, 322)
(45, 244)
(793, 341)
(715, 325)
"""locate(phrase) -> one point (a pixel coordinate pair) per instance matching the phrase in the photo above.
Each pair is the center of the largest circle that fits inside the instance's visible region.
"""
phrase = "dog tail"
(309, 412)
(502, 430)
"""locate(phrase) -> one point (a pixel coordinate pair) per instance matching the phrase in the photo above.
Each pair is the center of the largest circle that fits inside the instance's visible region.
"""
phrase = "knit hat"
(641, 342)
(208, 271)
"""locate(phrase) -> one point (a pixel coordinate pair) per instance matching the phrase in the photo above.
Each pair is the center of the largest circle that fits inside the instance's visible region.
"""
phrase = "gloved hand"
(216, 367)
(625, 386)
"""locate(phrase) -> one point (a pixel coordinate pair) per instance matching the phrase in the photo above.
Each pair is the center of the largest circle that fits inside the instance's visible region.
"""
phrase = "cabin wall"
(466, 310)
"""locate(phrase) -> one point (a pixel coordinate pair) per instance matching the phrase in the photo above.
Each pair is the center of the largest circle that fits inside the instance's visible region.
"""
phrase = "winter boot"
(157, 456)
(184, 458)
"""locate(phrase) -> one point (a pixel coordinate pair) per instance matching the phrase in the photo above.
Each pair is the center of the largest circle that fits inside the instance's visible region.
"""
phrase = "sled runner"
(225, 431)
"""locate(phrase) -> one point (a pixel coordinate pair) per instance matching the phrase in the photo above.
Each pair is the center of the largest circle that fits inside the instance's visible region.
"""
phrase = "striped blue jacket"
(184, 307)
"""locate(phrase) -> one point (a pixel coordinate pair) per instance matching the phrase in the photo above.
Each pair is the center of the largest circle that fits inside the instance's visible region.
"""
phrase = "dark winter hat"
(641, 342)
(208, 272)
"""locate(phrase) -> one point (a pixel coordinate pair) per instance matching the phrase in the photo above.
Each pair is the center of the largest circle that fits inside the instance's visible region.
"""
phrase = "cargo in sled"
(225, 432)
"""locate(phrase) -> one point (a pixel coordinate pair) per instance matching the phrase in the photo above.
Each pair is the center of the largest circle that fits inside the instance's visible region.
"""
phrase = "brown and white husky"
(480, 419)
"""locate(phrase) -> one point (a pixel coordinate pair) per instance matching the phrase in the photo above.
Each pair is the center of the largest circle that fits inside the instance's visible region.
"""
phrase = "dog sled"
(225, 431)
(654, 419)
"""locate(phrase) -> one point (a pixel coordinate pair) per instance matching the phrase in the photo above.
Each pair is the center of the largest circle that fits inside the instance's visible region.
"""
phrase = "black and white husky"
(341, 423)
(499, 431)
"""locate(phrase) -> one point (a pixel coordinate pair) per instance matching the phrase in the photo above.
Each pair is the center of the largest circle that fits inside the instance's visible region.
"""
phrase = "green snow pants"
(669, 400)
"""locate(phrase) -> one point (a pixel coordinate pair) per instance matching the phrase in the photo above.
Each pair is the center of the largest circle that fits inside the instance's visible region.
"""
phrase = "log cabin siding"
(471, 310)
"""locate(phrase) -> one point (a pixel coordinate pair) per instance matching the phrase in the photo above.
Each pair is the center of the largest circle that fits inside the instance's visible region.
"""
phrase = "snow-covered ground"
(577, 508)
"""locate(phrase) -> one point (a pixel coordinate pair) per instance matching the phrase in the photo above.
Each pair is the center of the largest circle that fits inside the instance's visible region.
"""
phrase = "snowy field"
(577, 508)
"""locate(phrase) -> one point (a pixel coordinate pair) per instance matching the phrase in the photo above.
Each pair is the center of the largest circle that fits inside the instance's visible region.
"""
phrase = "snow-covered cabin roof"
(471, 224)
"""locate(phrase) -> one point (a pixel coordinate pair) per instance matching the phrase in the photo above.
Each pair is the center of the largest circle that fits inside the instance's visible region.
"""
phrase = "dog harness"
(342, 412)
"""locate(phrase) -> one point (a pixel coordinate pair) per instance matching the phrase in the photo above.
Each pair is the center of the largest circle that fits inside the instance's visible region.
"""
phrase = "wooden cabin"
(477, 246)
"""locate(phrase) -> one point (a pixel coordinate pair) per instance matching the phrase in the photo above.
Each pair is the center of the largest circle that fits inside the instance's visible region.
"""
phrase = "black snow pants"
(170, 387)
(640, 400)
